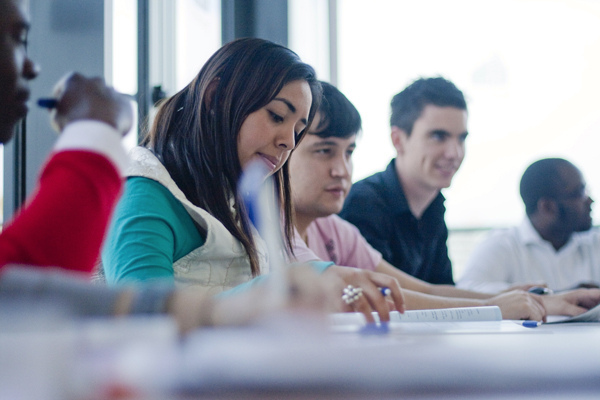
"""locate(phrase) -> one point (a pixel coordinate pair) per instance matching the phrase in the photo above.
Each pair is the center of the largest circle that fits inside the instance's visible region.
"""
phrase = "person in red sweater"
(64, 221)
(62, 224)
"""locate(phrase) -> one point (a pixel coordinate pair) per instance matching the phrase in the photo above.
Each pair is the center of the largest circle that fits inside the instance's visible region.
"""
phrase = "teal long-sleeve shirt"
(149, 232)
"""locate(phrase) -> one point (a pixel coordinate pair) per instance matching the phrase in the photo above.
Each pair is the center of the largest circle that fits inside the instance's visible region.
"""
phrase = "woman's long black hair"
(195, 132)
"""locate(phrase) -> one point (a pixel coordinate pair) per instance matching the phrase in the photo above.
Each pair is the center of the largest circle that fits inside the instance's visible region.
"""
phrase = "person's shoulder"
(589, 237)
(592, 232)
(364, 199)
(148, 201)
(140, 189)
(503, 231)
(501, 238)
(346, 236)
(99, 138)
(334, 222)
(139, 183)
(373, 181)
(370, 188)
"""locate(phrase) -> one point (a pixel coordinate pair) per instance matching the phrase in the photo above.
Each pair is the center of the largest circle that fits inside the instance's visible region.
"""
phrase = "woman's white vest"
(221, 262)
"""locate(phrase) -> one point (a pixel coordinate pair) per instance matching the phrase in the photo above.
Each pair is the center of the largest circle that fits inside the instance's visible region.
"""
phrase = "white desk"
(286, 361)
(551, 361)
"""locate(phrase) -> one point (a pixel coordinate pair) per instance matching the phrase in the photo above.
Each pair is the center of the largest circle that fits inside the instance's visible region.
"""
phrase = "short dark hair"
(339, 117)
(542, 179)
(408, 105)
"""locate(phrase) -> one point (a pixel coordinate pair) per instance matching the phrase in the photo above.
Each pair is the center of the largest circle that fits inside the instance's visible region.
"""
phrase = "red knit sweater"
(64, 222)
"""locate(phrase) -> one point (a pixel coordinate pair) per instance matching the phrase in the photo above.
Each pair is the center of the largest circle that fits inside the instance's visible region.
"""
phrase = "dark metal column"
(15, 178)
(143, 64)
(267, 19)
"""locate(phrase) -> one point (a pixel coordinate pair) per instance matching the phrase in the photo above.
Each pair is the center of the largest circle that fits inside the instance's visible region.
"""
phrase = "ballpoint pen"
(50, 102)
(540, 290)
(47, 103)
(530, 324)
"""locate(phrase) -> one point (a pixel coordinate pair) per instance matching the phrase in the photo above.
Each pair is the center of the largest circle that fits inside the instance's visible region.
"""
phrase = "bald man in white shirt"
(555, 245)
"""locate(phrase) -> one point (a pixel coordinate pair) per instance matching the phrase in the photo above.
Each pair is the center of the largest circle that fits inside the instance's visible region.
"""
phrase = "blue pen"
(531, 324)
(540, 290)
(375, 329)
(47, 103)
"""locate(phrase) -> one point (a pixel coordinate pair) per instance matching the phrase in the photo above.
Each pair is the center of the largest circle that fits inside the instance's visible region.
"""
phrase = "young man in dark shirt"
(400, 211)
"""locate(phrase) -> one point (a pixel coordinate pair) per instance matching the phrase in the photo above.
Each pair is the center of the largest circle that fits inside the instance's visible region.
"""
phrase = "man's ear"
(547, 207)
(399, 138)
(210, 93)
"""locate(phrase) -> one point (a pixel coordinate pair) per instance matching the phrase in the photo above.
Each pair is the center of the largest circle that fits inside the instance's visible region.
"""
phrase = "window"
(309, 34)
(120, 68)
(183, 35)
(528, 69)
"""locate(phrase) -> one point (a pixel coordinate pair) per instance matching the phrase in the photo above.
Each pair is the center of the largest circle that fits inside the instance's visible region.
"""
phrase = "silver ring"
(351, 294)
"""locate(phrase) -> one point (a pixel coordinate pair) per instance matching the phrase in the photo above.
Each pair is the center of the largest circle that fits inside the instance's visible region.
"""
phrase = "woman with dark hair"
(181, 218)
(251, 100)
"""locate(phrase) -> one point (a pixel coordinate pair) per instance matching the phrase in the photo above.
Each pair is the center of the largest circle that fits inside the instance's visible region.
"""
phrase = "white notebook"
(488, 313)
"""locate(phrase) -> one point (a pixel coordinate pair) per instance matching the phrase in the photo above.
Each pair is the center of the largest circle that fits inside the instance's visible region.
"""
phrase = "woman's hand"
(371, 283)
(307, 293)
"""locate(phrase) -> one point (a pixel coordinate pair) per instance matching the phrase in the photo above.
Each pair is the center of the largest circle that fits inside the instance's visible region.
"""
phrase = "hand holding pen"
(76, 97)
(378, 292)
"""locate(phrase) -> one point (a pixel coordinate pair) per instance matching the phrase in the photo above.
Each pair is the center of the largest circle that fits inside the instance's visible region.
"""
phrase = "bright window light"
(529, 70)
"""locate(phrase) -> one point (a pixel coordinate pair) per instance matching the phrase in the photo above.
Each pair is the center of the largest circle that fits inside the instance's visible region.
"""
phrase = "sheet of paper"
(591, 315)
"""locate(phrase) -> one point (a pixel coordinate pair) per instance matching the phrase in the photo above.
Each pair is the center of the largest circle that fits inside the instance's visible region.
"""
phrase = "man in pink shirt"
(321, 173)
